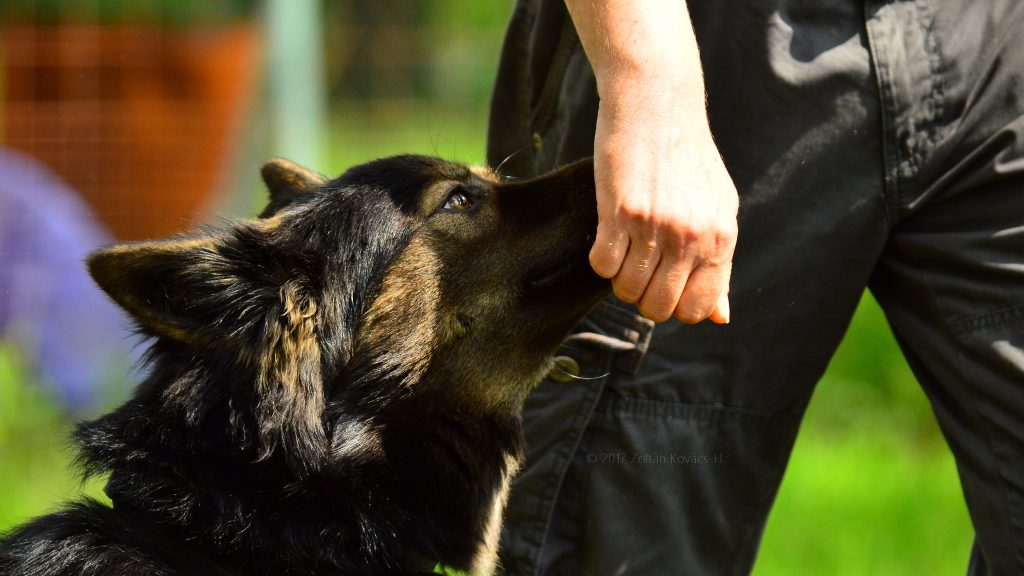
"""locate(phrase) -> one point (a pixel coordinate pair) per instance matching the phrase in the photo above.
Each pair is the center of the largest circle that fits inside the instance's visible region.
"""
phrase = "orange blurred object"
(138, 119)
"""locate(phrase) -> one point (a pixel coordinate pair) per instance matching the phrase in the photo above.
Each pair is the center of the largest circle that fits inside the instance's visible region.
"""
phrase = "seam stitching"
(887, 110)
(997, 318)
(990, 442)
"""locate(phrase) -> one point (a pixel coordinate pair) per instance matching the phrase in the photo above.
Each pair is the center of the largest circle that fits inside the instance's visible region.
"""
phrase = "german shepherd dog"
(334, 387)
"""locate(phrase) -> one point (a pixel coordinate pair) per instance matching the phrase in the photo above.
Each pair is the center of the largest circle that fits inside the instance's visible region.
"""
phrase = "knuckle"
(720, 252)
(729, 230)
(692, 233)
(656, 314)
(633, 215)
(603, 269)
(679, 233)
(715, 260)
(693, 313)
(690, 317)
(725, 239)
(657, 305)
(601, 262)
(647, 249)
(675, 239)
(675, 280)
(626, 292)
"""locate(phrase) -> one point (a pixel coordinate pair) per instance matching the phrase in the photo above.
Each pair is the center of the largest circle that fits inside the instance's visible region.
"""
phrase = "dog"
(334, 387)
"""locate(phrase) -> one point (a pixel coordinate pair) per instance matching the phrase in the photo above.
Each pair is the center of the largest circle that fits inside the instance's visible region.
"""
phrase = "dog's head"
(405, 276)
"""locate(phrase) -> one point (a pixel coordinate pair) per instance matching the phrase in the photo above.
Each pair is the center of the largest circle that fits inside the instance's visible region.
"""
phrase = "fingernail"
(723, 308)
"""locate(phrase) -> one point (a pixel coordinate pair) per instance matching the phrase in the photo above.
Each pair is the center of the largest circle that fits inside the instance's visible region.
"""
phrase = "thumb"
(720, 315)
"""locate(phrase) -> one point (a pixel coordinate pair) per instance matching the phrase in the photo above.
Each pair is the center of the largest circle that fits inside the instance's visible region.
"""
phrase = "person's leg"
(667, 460)
(951, 279)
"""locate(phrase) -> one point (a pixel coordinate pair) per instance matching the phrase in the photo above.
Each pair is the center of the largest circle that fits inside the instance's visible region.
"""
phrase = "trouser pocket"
(663, 488)
(611, 339)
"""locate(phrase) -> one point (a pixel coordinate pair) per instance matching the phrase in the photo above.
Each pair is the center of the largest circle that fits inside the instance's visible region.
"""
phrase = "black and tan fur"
(334, 387)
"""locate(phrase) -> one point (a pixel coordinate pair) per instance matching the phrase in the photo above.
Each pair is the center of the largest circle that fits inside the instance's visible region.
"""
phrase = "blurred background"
(135, 119)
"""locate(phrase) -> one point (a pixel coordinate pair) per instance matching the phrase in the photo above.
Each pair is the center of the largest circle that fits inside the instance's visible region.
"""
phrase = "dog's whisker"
(430, 136)
(575, 377)
(437, 142)
(570, 347)
(507, 158)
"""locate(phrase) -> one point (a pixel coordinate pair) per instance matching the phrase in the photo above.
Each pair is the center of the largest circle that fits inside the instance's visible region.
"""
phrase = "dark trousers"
(875, 144)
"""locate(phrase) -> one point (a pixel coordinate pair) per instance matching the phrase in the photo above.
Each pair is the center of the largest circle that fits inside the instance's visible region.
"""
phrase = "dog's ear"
(212, 292)
(287, 182)
(166, 285)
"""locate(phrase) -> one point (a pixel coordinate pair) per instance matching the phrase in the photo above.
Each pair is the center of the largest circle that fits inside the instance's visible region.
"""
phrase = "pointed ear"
(172, 287)
(287, 182)
(210, 291)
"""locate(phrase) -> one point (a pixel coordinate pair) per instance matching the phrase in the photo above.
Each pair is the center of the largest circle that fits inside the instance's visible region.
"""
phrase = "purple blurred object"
(69, 333)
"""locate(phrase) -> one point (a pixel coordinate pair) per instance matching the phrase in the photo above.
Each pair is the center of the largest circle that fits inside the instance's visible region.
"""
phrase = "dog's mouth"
(549, 277)
(571, 265)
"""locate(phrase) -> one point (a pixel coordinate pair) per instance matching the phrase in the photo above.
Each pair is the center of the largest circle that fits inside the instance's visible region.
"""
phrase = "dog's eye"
(458, 202)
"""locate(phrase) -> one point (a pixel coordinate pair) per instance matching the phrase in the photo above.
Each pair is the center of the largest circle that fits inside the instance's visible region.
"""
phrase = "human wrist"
(676, 84)
(655, 107)
(639, 46)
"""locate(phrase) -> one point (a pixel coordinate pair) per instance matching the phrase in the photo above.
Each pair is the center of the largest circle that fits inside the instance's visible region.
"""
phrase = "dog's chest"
(485, 562)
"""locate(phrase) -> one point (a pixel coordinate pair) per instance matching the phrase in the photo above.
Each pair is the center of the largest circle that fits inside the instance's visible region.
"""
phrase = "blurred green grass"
(36, 471)
(871, 487)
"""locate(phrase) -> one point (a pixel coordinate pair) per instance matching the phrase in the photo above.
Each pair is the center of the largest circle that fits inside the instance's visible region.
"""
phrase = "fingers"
(629, 264)
(628, 259)
(609, 250)
(666, 277)
(661, 296)
(720, 315)
(706, 294)
(637, 270)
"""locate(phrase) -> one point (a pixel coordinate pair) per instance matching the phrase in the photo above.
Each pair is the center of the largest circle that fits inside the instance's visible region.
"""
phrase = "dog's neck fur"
(405, 486)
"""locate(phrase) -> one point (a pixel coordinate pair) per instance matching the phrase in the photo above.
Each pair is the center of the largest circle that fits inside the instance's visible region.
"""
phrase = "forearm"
(644, 53)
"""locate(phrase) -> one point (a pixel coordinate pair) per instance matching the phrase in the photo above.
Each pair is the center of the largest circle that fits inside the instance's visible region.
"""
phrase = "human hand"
(666, 206)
